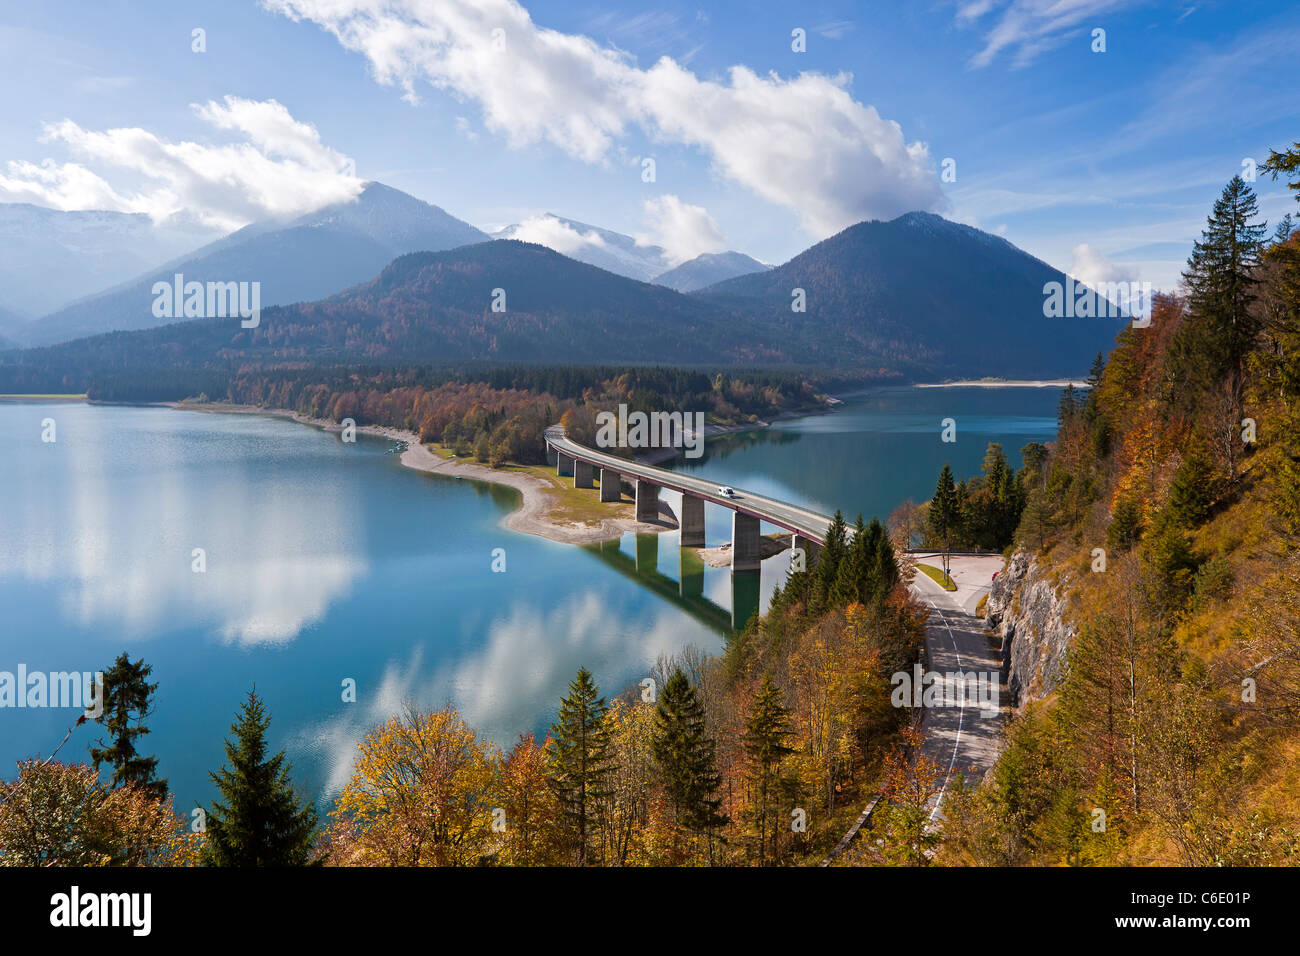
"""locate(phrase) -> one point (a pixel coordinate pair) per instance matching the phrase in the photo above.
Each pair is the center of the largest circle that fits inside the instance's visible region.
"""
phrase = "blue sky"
(1102, 163)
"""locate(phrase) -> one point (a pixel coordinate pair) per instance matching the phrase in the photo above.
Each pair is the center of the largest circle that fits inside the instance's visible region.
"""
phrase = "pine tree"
(1212, 344)
(1125, 526)
(261, 822)
(828, 565)
(581, 761)
(1169, 563)
(126, 693)
(764, 740)
(686, 757)
(1285, 163)
(1191, 492)
(943, 514)
(1067, 408)
(851, 579)
(884, 573)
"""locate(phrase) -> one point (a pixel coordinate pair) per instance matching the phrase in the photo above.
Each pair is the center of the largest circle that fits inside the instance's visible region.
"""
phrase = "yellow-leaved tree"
(422, 794)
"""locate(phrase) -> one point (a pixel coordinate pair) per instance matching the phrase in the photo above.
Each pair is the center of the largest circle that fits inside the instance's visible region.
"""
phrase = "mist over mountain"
(627, 256)
(603, 248)
(709, 268)
(49, 257)
(308, 258)
(922, 292)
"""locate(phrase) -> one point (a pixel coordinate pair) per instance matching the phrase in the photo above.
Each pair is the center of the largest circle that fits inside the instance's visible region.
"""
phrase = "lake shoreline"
(537, 500)
(1005, 383)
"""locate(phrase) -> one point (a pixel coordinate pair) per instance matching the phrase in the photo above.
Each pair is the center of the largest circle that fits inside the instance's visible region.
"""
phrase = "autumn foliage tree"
(58, 814)
(422, 794)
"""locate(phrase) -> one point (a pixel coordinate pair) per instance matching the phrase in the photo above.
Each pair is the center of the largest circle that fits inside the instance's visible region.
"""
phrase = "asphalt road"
(962, 738)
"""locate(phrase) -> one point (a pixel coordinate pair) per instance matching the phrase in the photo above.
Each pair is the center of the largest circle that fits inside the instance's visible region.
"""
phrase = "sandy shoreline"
(538, 499)
(1005, 383)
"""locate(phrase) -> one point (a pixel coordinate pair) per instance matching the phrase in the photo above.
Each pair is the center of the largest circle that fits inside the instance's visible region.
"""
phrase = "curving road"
(960, 739)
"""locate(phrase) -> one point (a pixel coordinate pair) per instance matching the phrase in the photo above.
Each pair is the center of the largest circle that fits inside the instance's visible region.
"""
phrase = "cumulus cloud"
(278, 167)
(1029, 28)
(1089, 266)
(803, 143)
(683, 231)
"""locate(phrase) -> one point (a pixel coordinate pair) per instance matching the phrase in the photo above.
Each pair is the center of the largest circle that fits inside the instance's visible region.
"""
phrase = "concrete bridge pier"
(692, 521)
(746, 542)
(582, 474)
(647, 501)
(550, 454)
(563, 464)
(812, 549)
(610, 485)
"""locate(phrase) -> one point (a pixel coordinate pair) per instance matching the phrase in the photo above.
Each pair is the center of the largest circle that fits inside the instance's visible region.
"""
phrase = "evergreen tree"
(1285, 163)
(851, 579)
(884, 574)
(1191, 492)
(828, 565)
(261, 821)
(1094, 375)
(686, 757)
(764, 740)
(943, 515)
(1169, 563)
(1067, 408)
(126, 694)
(1125, 525)
(581, 761)
(1212, 344)
(1282, 260)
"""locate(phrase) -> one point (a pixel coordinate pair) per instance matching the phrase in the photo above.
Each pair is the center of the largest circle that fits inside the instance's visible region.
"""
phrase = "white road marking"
(961, 714)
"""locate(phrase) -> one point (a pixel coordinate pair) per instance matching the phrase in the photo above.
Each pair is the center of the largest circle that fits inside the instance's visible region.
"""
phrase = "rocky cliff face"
(1030, 614)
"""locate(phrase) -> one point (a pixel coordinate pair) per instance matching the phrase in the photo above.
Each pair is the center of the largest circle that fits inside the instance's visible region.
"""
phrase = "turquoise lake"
(328, 562)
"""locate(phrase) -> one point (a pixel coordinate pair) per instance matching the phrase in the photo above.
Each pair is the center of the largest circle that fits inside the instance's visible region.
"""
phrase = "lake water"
(328, 562)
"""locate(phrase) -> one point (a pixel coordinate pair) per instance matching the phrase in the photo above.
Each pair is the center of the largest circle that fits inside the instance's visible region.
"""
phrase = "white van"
(726, 492)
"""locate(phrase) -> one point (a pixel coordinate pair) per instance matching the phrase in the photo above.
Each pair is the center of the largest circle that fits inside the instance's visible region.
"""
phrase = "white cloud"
(556, 234)
(1032, 27)
(833, 29)
(683, 231)
(1092, 268)
(465, 129)
(278, 168)
(803, 143)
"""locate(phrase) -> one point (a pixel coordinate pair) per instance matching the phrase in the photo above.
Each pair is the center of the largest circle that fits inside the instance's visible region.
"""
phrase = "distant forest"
(497, 414)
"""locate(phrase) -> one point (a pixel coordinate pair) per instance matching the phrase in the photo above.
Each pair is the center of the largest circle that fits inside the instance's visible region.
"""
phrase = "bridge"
(587, 466)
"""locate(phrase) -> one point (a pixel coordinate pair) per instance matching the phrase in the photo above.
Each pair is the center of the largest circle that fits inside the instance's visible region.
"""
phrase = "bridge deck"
(810, 524)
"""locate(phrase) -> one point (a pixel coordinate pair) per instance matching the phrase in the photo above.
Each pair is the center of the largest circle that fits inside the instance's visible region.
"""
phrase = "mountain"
(708, 269)
(923, 294)
(603, 248)
(49, 257)
(429, 308)
(11, 326)
(308, 258)
(916, 298)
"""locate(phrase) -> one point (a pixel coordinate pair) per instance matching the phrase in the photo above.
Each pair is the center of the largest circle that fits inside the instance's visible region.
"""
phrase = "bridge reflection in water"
(687, 590)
